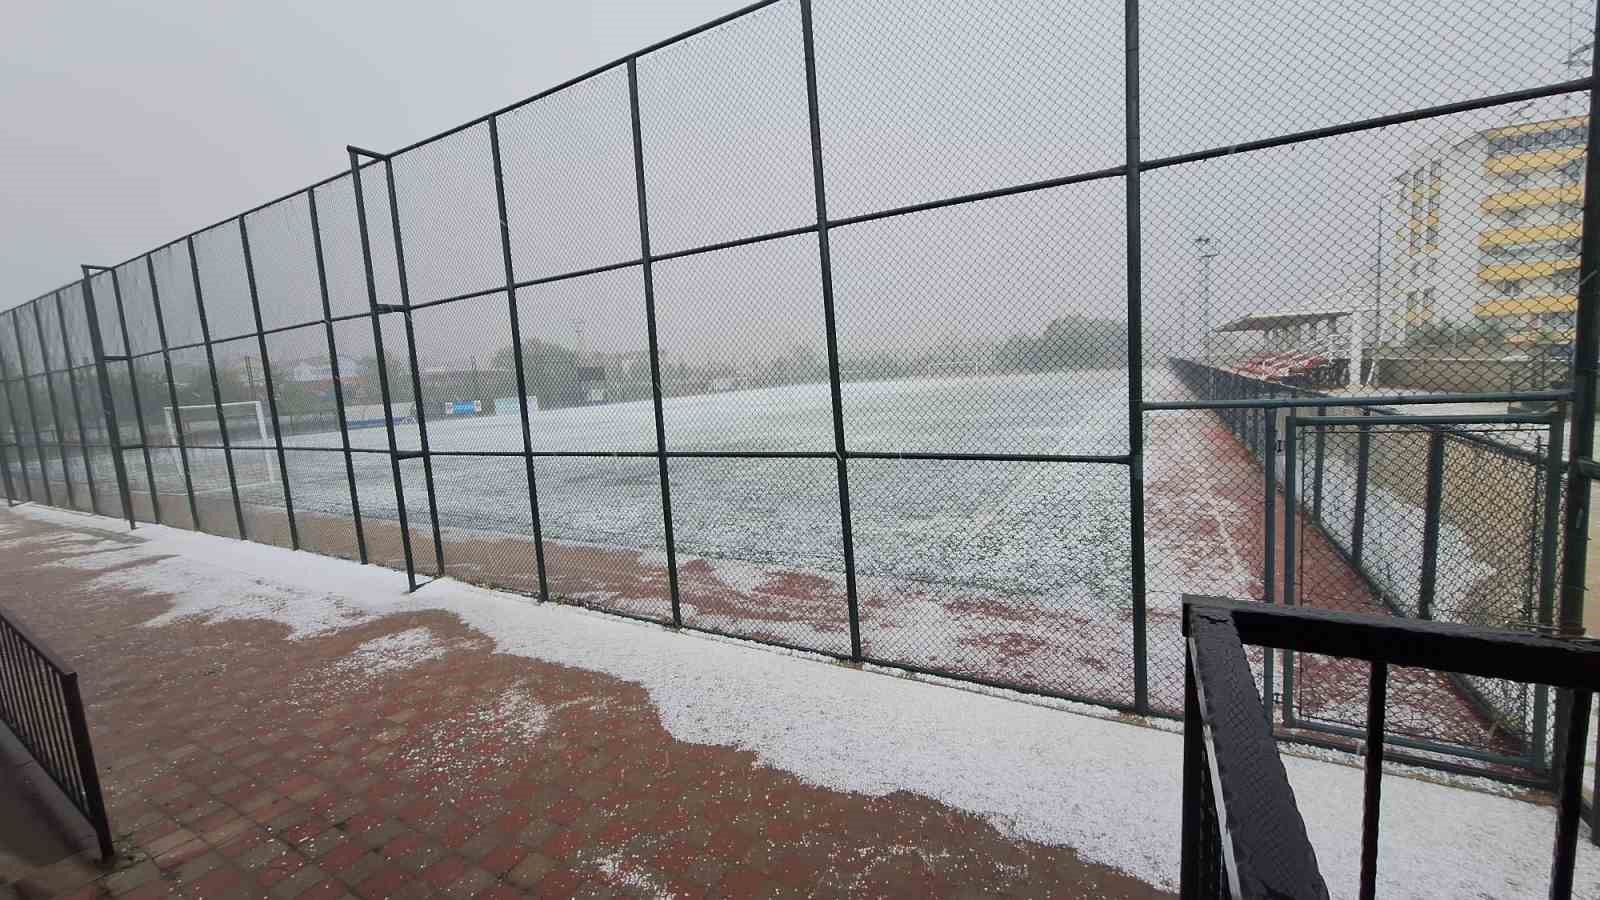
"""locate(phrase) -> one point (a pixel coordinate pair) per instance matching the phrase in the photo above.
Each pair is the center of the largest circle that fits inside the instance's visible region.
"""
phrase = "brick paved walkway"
(241, 764)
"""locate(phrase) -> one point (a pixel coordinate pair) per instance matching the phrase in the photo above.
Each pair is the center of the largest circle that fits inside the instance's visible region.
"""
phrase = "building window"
(1555, 137)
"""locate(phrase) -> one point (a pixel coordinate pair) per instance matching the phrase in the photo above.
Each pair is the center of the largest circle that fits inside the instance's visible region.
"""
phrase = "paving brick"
(182, 854)
(194, 869)
(326, 889)
(386, 882)
(363, 868)
(469, 884)
(445, 871)
(126, 880)
(241, 769)
(298, 883)
(217, 882)
(344, 855)
(530, 870)
(501, 859)
(171, 841)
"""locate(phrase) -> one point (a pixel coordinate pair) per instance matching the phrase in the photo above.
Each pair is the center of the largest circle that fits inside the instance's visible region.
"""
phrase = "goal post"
(249, 436)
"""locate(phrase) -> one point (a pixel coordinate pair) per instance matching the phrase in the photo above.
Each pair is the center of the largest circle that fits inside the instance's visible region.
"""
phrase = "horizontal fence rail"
(41, 704)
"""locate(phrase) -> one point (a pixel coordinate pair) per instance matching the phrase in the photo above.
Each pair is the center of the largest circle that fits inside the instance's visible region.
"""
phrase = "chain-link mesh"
(283, 260)
(1013, 572)
(1425, 283)
(998, 327)
(1447, 524)
(906, 432)
(723, 117)
(571, 197)
(919, 106)
(603, 531)
(744, 351)
(586, 358)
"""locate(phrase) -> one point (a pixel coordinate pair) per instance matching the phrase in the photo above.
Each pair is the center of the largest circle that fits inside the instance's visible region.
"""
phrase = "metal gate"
(1449, 518)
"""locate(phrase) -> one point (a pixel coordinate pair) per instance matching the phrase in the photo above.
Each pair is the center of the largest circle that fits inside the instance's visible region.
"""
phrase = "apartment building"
(1488, 237)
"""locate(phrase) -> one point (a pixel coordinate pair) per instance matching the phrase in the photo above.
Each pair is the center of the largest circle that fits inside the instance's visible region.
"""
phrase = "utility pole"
(1202, 246)
(1356, 322)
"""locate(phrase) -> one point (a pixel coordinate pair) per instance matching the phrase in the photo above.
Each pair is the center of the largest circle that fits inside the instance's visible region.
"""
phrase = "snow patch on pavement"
(392, 653)
(1108, 789)
(621, 872)
(491, 735)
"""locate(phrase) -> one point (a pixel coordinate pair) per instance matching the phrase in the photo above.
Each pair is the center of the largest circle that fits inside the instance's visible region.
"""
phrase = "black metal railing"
(42, 706)
(1242, 831)
(1367, 474)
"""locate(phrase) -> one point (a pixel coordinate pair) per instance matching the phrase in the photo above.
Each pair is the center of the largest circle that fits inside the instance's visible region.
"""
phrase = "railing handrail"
(1216, 629)
(1264, 848)
(1428, 644)
(1379, 404)
(38, 646)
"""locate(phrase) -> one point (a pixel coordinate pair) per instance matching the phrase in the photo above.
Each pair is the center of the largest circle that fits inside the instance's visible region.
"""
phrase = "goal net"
(254, 459)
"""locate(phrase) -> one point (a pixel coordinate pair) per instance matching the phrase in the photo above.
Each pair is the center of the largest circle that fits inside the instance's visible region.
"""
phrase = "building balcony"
(1519, 271)
(1556, 337)
(1533, 161)
(1532, 234)
(1529, 128)
(1526, 306)
(1531, 198)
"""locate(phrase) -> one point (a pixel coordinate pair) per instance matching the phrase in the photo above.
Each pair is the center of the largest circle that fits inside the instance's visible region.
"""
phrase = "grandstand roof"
(1284, 318)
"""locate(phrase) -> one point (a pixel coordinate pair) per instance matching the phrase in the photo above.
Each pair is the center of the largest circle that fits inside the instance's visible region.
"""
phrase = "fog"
(129, 126)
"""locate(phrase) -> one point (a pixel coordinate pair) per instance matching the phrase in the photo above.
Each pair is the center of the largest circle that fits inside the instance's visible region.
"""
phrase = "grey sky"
(126, 123)
(158, 120)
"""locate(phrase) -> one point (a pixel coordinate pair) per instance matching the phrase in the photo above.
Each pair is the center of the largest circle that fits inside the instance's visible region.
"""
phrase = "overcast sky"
(125, 123)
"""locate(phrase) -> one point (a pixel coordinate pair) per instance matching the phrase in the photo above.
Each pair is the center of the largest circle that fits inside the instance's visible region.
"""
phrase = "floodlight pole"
(1203, 247)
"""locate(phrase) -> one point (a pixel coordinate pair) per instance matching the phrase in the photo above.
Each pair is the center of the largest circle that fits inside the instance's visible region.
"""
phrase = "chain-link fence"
(960, 340)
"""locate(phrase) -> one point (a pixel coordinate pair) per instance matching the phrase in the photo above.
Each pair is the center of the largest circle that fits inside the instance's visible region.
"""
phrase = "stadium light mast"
(1202, 245)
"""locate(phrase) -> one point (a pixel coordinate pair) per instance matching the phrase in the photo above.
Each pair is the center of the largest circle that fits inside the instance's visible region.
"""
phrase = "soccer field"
(1016, 572)
(998, 526)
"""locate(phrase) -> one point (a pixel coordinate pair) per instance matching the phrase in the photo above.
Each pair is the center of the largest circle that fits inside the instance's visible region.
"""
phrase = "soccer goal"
(254, 459)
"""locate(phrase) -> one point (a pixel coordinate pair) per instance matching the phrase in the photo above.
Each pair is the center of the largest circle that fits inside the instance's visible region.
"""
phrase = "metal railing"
(1335, 470)
(41, 704)
(1243, 835)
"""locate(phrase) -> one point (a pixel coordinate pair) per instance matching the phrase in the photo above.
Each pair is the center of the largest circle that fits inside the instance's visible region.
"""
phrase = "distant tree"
(367, 389)
(550, 369)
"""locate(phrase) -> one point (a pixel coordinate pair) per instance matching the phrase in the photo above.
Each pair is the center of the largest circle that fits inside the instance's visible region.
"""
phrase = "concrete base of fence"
(44, 842)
